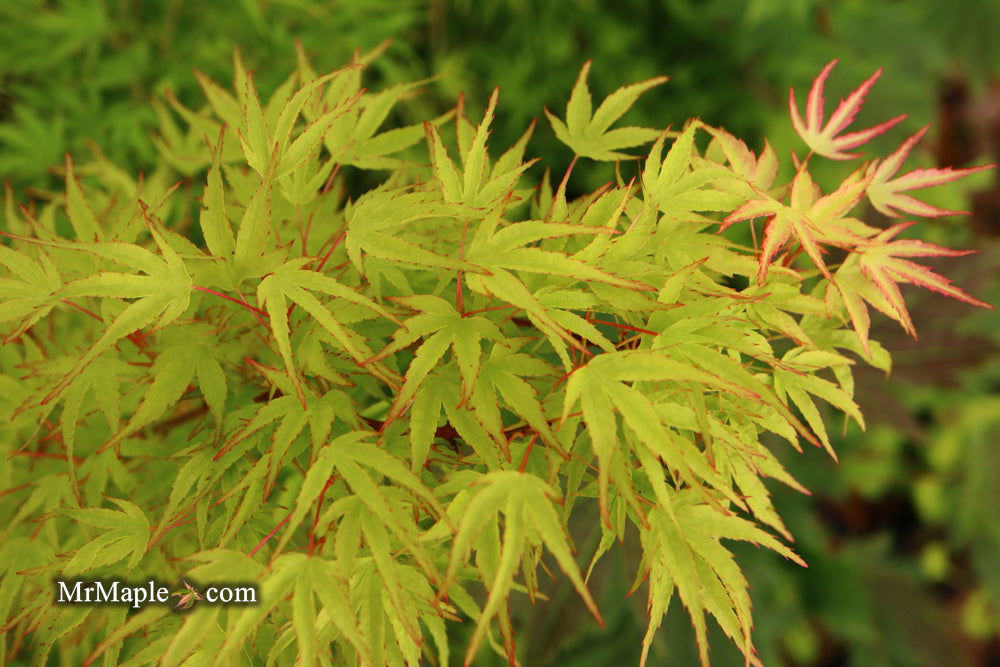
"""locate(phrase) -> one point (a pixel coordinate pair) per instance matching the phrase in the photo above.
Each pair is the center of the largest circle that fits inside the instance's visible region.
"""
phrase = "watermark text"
(136, 595)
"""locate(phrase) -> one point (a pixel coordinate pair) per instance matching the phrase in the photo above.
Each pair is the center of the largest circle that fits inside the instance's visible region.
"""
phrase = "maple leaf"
(600, 388)
(442, 327)
(881, 262)
(126, 536)
(480, 185)
(373, 222)
(758, 171)
(682, 548)
(161, 296)
(824, 140)
(187, 597)
(29, 292)
(676, 186)
(809, 217)
(586, 131)
(886, 195)
(530, 518)
(290, 281)
(80, 215)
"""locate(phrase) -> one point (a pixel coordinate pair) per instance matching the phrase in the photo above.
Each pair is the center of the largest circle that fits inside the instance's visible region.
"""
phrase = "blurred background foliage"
(902, 536)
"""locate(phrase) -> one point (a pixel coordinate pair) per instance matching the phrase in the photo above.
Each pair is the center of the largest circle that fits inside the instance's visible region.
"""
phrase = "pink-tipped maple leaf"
(812, 218)
(824, 140)
(886, 195)
(783, 222)
(881, 261)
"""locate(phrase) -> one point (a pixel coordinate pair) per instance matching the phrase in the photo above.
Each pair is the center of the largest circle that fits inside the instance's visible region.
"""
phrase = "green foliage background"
(902, 536)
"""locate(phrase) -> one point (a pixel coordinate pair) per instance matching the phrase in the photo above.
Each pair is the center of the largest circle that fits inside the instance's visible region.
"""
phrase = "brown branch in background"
(956, 140)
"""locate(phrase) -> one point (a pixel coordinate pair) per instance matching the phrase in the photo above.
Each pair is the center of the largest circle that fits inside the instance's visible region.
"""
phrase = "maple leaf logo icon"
(187, 597)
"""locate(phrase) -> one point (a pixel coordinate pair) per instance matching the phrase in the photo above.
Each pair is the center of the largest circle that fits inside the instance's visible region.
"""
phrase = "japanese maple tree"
(386, 408)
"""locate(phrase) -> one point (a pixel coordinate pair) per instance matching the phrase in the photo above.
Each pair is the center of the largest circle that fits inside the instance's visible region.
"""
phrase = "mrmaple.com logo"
(112, 592)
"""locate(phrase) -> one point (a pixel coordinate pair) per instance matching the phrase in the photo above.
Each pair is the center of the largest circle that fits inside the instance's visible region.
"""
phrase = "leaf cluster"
(386, 408)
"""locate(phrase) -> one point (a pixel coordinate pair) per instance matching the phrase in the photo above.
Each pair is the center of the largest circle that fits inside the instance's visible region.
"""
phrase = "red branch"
(624, 326)
(319, 507)
(485, 310)
(527, 452)
(246, 305)
(269, 535)
(136, 337)
(329, 252)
